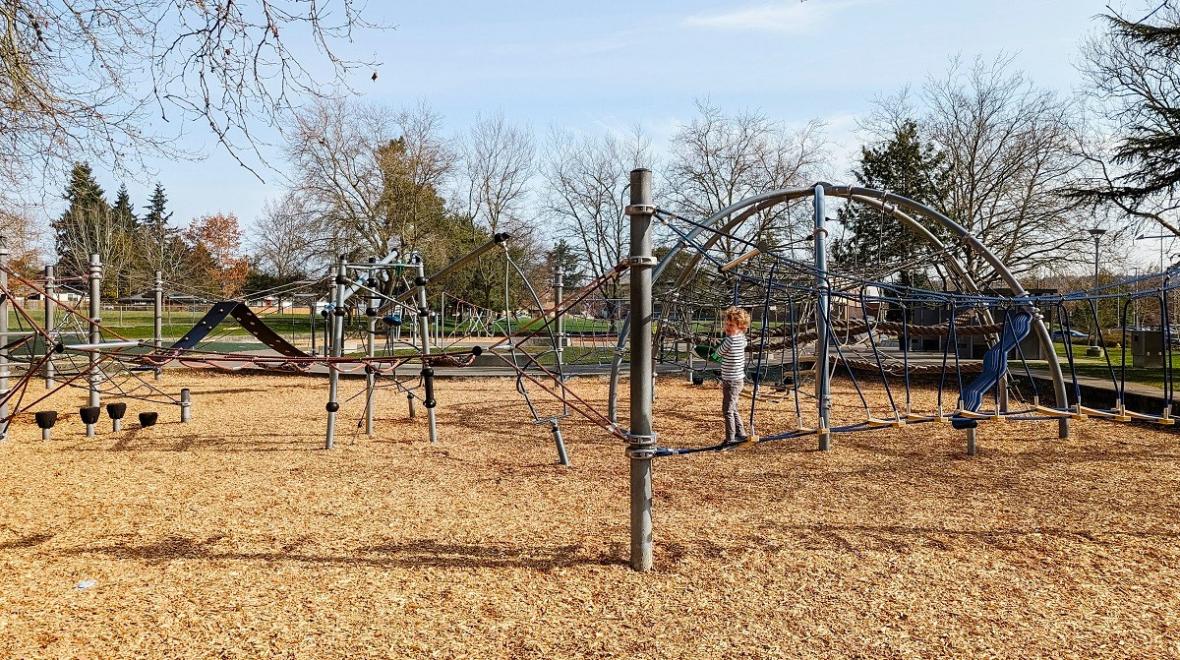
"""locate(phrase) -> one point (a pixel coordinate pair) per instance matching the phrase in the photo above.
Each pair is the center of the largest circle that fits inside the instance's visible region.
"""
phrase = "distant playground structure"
(980, 355)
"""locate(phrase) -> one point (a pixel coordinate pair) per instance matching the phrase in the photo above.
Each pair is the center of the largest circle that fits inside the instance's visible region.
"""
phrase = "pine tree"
(73, 230)
(562, 255)
(1133, 68)
(123, 211)
(156, 219)
(160, 247)
(903, 165)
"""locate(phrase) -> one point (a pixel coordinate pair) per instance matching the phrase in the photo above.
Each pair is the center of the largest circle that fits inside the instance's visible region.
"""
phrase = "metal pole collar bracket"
(633, 261)
(641, 446)
(640, 209)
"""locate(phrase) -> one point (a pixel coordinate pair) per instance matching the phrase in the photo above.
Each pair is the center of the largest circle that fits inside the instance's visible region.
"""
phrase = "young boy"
(732, 355)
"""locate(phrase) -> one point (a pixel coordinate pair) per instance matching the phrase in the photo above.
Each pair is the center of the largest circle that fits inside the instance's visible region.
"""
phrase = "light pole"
(1141, 237)
(1095, 350)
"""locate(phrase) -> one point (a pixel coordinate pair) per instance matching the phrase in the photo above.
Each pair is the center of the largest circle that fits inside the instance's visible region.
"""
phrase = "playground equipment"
(814, 323)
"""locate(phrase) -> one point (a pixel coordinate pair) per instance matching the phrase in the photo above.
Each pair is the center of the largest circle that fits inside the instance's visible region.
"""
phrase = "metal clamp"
(641, 445)
(640, 209)
(640, 261)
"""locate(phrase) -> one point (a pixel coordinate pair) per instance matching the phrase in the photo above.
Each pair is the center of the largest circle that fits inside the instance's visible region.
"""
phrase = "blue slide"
(995, 361)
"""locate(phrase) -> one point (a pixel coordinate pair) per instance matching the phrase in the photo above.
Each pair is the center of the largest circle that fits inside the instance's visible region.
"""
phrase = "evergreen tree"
(74, 230)
(1133, 68)
(156, 219)
(904, 165)
(123, 211)
(562, 255)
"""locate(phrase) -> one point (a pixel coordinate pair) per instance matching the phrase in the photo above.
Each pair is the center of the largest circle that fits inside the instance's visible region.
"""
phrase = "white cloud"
(786, 16)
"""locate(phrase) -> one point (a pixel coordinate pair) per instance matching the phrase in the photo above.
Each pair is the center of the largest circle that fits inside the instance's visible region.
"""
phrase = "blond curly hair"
(737, 316)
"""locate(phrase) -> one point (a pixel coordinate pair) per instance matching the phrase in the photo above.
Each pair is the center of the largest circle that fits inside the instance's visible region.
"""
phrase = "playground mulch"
(237, 536)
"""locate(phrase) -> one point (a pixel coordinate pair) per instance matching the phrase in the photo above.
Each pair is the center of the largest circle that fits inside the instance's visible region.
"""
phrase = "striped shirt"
(733, 357)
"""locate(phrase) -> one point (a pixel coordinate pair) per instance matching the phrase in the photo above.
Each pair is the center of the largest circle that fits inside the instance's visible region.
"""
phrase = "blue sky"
(608, 65)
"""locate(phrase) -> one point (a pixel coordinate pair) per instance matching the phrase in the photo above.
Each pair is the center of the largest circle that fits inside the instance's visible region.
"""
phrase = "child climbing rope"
(732, 355)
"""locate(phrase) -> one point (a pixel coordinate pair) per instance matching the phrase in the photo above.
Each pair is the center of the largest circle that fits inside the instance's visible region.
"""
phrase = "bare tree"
(95, 229)
(496, 167)
(587, 179)
(333, 147)
(1008, 150)
(92, 79)
(284, 239)
(720, 159)
(21, 236)
(369, 177)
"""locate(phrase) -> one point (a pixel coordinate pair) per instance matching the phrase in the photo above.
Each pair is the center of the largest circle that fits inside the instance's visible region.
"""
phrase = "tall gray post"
(312, 324)
(424, 337)
(823, 386)
(50, 287)
(642, 440)
(95, 335)
(158, 315)
(4, 335)
(371, 349)
(558, 317)
(336, 349)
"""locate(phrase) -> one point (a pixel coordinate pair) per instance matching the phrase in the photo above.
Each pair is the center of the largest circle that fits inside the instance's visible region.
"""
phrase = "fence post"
(642, 442)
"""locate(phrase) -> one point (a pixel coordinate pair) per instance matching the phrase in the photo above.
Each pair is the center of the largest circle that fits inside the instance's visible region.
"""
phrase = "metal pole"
(424, 331)
(642, 441)
(823, 388)
(370, 377)
(311, 305)
(95, 335)
(158, 315)
(4, 334)
(50, 285)
(559, 318)
(562, 456)
(186, 405)
(337, 349)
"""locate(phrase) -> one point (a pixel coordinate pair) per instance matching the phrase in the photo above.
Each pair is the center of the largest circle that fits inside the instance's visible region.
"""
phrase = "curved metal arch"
(898, 207)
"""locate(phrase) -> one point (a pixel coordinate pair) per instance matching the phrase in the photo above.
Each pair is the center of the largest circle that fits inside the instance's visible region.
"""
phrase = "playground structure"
(813, 323)
(763, 278)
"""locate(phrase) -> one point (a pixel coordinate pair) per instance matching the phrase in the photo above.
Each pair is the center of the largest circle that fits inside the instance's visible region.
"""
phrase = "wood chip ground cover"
(237, 536)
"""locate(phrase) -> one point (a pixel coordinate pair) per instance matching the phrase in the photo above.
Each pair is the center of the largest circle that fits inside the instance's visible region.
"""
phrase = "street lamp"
(1097, 233)
(1141, 237)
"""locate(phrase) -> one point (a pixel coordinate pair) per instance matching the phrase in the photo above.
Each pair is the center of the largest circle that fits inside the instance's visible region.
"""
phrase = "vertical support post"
(50, 287)
(823, 386)
(371, 349)
(311, 316)
(336, 323)
(95, 335)
(558, 317)
(424, 338)
(562, 456)
(186, 405)
(4, 335)
(642, 442)
(158, 316)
